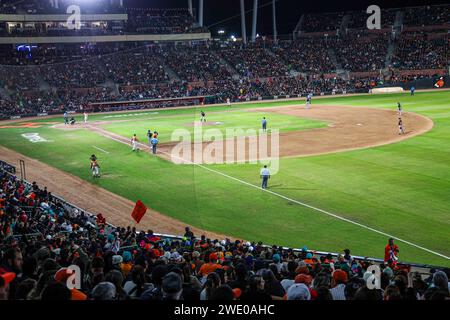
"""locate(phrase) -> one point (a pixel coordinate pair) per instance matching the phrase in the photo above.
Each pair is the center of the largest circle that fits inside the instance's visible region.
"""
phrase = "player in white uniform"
(134, 142)
(228, 102)
(85, 117)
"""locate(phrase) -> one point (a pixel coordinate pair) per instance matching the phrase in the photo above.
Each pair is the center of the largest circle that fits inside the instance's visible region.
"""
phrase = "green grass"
(238, 119)
(401, 189)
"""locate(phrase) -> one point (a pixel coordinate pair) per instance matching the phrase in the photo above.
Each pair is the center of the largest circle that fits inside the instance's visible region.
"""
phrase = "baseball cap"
(62, 275)
(298, 291)
(340, 275)
(303, 278)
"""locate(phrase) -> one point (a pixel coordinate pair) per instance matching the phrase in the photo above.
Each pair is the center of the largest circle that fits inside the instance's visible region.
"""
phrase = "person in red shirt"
(391, 251)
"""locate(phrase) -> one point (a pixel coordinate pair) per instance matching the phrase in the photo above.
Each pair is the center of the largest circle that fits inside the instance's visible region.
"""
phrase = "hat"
(276, 258)
(309, 255)
(172, 283)
(126, 255)
(388, 271)
(8, 277)
(195, 254)
(340, 275)
(116, 259)
(303, 278)
(63, 274)
(298, 291)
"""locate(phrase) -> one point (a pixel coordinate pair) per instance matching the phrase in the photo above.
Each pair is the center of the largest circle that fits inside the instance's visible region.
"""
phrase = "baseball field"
(346, 178)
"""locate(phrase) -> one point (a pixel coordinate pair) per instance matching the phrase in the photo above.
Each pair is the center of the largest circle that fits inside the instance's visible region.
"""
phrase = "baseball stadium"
(249, 150)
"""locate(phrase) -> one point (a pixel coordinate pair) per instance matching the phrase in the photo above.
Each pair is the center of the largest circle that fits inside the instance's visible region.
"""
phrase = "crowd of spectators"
(196, 64)
(254, 62)
(306, 55)
(417, 51)
(42, 238)
(318, 22)
(159, 21)
(428, 15)
(357, 53)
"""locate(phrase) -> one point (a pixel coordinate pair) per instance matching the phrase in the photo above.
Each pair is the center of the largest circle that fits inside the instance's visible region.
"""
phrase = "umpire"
(265, 176)
(154, 143)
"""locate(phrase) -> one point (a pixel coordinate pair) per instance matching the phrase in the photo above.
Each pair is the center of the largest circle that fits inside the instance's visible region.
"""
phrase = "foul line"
(298, 202)
(100, 149)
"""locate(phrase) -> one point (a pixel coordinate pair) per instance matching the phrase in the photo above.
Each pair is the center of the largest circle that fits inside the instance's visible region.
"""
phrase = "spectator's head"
(340, 277)
(104, 291)
(56, 291)
(298, 291)
(222, 293)
(322, 280)
(13, 259)
(352, 286)
(440, 280)
(172, 286)
(392, 293)
(25, 288)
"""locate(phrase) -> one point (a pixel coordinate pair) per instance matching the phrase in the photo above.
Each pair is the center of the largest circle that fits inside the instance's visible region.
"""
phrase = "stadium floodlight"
(233, 37)
(221, 31)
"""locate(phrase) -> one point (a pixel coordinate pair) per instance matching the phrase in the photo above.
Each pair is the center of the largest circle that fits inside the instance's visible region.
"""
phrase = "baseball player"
(399, 108)
(308, 100)
(149, 137)
(95, 167)
(264, 124)
(66, 117)
(134, 142)
(400, 126)
(228, 102)
(85, 117)
(203, 118)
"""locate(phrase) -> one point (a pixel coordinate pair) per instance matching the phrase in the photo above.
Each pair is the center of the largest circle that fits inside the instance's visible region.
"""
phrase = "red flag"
(138, 212)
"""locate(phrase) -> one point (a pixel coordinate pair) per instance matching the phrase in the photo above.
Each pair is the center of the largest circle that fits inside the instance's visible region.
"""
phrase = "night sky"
(225, 14)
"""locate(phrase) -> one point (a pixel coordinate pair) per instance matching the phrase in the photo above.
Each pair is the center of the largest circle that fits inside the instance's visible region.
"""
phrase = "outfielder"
(203, 118)
(95, 167)
(228, 102)
(134, 142)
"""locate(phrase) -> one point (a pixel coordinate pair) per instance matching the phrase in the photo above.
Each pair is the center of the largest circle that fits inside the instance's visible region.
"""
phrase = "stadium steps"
(172, 74)
(225, 63)
(298, 27)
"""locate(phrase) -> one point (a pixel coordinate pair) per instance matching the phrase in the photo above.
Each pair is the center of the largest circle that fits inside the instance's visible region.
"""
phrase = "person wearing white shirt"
(265, 176)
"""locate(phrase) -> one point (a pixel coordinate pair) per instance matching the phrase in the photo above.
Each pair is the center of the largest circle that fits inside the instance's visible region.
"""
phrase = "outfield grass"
(402, 188)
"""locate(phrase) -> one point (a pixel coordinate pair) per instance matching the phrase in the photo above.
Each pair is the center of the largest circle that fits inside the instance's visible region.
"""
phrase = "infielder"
(66, 117)
(203, 118)
(400, 126)
(134, 142)
(95, 167)
(228, 102)
(399, 108)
